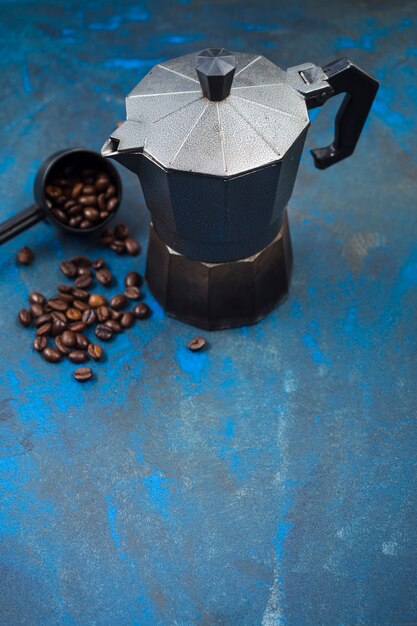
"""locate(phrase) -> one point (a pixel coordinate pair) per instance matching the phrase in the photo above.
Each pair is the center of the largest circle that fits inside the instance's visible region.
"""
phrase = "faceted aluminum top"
(171, 122)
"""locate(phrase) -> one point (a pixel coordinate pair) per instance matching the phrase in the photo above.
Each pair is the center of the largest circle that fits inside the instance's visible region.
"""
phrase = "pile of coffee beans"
(120, 241)
(61, 321)
(82, 198)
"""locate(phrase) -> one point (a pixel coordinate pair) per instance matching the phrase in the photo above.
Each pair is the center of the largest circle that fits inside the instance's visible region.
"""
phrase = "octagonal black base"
(220, 295)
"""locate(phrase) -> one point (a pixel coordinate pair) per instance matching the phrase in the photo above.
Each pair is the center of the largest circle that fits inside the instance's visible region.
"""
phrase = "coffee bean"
(118, 246)
(60, 215)
(68, 268)
(89, 200)
(118, 302)
(83, 374)
(76, 190)
(43, 319)
(80, 294)
(59, 315)
(104, 215)
(74, 210)
(68, 338)
(73, 314)
(78, 356)
(102, 202)
(53, 191)
(91, 214)
(77, 326)
(65, 297)
(25, 317)
(133, 279)
(52, 355)
(102, 182)
(75, 221)
(40, 343)
(107, 237)
(57, 305)
(121, 231)
(85, 224)
(81, 261)
(111, 191)
(70, 204)
(103, 313)
(45, 329)
(127, 319)
(36, 310)
(104, 276)
(81, 305)
(99, 263)
(37, 298)
(89, 317)
(89, 189)
(103, 332)
(58, 327)
(141, 311)
(196, 344)
(25, 256)
(81, 341)
(65, 288)
(60, 345)
(133, 293)
(83, 281)
(84, 271)
(132, 246)
(114, 325)
(116, 315)
(96, 300)
(95, 351)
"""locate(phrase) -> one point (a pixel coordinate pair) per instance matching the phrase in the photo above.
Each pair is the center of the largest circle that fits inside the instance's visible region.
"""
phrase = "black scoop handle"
(360, 88)
(20, 222)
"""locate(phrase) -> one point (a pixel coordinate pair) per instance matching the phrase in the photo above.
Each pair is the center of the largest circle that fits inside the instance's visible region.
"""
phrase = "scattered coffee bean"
(80, 294)
(99, 263)
(81, 305)
(96, 300)
(66, 297)
(81, 261)
(25, 317)
(196, 344)
(103, 332)
(84, 271)
(118, 246)
(36, 310)
(25, 256)
(40, 343)
(133, 293)
(133, 279)
(95, 351)
(104, 276)
(57, 305)
(103, 313)
(115, 326)
(118, 302)
(127, 319)
(65, 289)
(121, 231)
(78, 356)
(68, 268)
(82, 341)
(77, 327)
(45, 329)
(116, 315)
(73, 314)
(59, 315)
(68, 338)
(46, 317)
(83, 281)
(83, 373)
(60, 345)
(58, 327)
(107, 237)
(89, 317)
(141, 311)
(52, 355)
(37, 298)
(132, 246)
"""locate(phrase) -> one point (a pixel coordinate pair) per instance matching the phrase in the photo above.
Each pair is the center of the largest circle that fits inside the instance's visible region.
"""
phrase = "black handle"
(360, 88)
(20, 222)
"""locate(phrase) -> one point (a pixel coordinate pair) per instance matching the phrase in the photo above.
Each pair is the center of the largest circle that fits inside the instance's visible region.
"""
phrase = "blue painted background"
(270, 480)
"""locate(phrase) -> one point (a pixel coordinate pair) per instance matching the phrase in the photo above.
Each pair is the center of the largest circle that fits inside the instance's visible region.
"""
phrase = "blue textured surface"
(271, 479)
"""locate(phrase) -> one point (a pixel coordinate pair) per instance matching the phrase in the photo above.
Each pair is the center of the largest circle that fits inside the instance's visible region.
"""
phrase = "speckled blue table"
(271, 479)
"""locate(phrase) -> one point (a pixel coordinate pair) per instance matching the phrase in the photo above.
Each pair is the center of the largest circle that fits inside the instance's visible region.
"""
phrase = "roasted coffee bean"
(25, 317)
(91, 214)
(59, 315)
(78, 356)
(121, 231)
(127, 319)
(89, 200)
(103, 332)
(95, 351)
(83, 281)
(96, 300)
(89, 317)
(81, 261)
(80, 294)
(53, 191)
(132, 246)
(104, 276)
(70, 204)
(40, 343)
(65, 288)
(118, 302)
(111, 191)
(104, 215)
(60, 345)
(196, 344)
(102, 183)
(115, 326)
(102, 202)
(77, 327)
(43, 319)
(58, 327)
(52, 355)
(141, 311)
(75, 221)
(85, 224)
(73, 314)
(133, 293)
(37, 298)
(68, 268)
(60, 201)
(60, 215)
(36, 310)
(45, 329)
(83, 374)
(81, 341)
(89, 189)
(107, 237)
(68, 338)
(118, 246)
(76, 190)
(65, 297)
(25, 256)
(74, 210)
(99, 263)
(116, 315)
(112, 204)
(81, 305)
(133, 279)
(103, 313)
(57, 305)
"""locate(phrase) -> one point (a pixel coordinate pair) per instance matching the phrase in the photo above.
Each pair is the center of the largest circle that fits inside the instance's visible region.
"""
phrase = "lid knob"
(215, 70)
